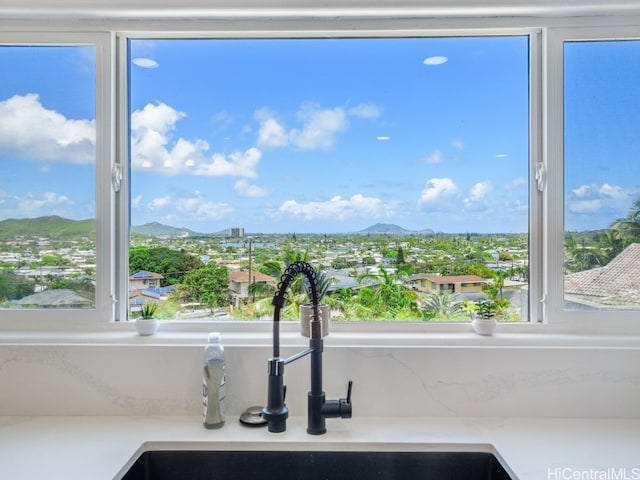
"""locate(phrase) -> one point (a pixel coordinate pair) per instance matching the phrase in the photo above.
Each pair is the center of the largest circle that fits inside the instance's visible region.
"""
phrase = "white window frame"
(553, 269)
(105, 280)
(535, 248)
(546, 312)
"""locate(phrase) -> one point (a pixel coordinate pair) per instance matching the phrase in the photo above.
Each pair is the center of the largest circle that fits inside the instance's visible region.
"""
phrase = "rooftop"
(617, 283)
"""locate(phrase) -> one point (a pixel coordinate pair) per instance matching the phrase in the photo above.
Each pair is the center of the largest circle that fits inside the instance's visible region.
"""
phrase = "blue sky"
(318, 135)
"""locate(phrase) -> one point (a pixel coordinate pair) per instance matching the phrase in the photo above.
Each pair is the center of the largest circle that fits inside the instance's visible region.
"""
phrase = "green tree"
(499, 277)
(83, 285)
(628, 228)
(52, 261)
(442, 306)
(273, 268)
(171, 264)
(611, 243)
(12, 287)
(207, 285)
(390, 294)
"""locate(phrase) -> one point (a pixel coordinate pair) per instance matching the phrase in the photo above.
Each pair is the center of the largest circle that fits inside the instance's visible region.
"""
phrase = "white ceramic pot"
(483, 326)
(147, 326)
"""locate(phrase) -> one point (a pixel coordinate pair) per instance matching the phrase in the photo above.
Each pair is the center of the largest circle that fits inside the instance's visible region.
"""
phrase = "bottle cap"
(214, 337)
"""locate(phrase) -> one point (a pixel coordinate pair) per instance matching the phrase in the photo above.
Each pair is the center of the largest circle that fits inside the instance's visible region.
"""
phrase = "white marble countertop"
(81, 447)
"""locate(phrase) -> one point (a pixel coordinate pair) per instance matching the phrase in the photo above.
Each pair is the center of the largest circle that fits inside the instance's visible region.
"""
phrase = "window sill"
(377, 335)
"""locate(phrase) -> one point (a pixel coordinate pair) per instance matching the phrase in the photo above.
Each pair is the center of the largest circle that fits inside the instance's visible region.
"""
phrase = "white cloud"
(438, 189)
(159, 203)
(238, 164)
(145, 62)
(479, 191)
(34, 204)
(192, 208)
(271, 133)
(435, 157)
(595, 197)
(31, 131)
(516, 182)
(320, 127)
(457, 143)
(136, 202)
(585, 206)
(435, 60)
(245, 189)
(365, 110)
(317, 129)
(151, 130)
(338, 208)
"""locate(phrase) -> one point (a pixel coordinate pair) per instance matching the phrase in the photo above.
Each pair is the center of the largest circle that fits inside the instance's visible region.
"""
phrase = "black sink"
(314, 465)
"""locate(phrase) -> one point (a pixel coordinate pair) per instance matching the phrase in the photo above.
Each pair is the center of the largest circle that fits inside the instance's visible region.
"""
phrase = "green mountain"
(52, 226)
(155, 229)
(391, 229)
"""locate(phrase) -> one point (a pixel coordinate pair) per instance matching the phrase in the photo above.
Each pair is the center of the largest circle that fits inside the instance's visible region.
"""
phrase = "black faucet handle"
(345, 403)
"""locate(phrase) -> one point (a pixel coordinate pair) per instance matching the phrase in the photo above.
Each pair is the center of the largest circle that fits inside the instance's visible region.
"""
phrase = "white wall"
(135, 377)
(144, 379)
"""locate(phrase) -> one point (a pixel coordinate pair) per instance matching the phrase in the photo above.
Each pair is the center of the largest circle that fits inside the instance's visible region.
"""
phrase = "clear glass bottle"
(213, 383)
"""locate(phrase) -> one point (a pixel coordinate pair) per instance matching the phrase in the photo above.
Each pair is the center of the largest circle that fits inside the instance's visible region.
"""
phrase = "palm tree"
(612, 244)
(499, 277)
(260, 290)
(391, 294)
(442, 305)
(629, 227)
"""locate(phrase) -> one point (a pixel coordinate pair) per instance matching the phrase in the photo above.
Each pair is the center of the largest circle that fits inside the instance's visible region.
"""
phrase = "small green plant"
(469, 306)
(322, 281)
(487, 308)
(148, 310)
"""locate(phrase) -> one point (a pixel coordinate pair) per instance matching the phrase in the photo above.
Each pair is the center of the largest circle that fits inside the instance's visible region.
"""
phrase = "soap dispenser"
(213, 383)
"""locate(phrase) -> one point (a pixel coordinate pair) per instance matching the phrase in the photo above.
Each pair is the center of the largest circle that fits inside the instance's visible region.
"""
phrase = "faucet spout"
(319, 408)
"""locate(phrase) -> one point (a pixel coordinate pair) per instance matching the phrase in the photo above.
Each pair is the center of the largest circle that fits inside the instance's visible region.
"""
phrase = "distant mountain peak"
(157, 229)
(388, 228)
(51, 226)
(392, 229)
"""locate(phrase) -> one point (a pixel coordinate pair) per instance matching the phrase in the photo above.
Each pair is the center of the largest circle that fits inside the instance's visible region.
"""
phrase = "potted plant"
(147, 323)
(322, 283)
(483, 318)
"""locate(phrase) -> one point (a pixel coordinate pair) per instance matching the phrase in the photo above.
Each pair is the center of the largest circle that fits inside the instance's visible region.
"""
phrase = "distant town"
(37, 266)
(381, 273)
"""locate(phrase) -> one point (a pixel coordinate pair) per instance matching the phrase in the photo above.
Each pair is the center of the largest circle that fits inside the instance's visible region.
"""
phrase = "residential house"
(144, 279)
(616, 285)
(144, 287)
(239, 282)
(447, 283)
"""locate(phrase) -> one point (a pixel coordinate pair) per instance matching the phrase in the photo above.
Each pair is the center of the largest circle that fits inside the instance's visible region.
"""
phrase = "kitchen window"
(564, 180)
(593, 168)
(54, 224)
(378, 160)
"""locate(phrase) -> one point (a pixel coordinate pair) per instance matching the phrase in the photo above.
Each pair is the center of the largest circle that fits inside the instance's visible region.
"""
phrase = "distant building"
(144, 287)
(236, 232)
(55, 298)
(149, 295)
(448, 283)
(239, 283)
(144, 279)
